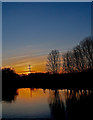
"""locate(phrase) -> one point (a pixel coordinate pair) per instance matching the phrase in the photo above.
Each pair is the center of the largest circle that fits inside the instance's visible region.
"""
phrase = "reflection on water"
(46, 103)
(57, 104)
(29, 103)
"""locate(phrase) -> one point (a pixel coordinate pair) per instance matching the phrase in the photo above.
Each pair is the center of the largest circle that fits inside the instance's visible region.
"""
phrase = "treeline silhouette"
(77, 70)
(46, 80)
(80, 57)
(10, 74)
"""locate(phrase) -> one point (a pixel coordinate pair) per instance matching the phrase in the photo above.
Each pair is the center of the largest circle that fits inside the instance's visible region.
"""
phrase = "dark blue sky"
(39, 27)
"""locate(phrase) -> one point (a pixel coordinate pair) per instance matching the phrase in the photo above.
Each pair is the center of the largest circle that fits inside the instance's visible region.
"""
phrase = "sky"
(46, 0)
(31, 30)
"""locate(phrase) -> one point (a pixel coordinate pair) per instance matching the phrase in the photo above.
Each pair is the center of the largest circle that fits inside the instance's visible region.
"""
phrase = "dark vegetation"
(46, 80)
(53, 62)
(80, 58)
(77, 67)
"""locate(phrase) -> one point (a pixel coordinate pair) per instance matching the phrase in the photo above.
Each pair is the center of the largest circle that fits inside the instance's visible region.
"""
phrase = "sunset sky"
(31, 30)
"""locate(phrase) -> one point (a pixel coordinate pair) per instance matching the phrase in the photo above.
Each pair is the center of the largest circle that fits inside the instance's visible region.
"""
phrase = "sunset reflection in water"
(42, 103)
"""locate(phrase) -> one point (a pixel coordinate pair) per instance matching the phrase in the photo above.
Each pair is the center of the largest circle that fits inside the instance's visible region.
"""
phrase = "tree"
(87, 50)
(68, 59)
(80, 57)
(79, 61)
(53, 62)
(9, 74)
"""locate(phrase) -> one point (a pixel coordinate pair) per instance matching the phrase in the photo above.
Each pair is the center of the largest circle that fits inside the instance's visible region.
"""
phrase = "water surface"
(46, 103)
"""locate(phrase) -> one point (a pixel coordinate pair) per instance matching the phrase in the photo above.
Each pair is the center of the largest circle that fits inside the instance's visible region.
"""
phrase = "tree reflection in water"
(9, 94)
(75, 105)
(56, 105)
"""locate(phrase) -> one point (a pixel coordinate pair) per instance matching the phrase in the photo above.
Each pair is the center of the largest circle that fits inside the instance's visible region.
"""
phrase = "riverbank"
(54, 81)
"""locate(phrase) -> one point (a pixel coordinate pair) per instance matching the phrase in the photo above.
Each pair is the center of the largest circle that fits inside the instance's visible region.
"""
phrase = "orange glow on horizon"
(38, 65)
(21, 66)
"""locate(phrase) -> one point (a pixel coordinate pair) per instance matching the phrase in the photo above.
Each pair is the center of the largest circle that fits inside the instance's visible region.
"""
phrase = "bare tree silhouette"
(53, 62)
(68, 59)
(80, 58)
(87, 50)
(79, 61)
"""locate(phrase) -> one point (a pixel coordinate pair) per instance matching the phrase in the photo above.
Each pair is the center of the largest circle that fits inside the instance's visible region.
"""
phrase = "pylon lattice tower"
(30, 68)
